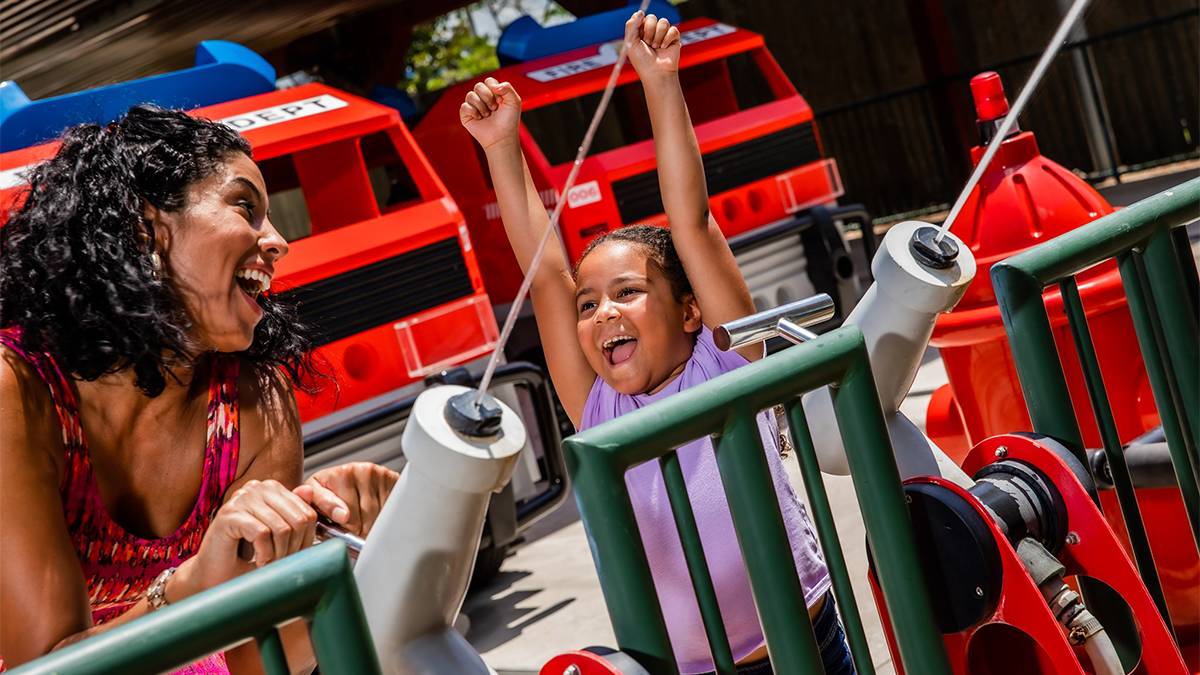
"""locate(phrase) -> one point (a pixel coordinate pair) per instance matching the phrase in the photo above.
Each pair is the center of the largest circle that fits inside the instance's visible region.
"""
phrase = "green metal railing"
(316, 584)
(725, 408)
(1159, 276)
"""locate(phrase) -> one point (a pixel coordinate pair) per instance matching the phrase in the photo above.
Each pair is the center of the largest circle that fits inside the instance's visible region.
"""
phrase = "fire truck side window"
(390, 180)
(289, 211)
(750, 84)
(713, 90)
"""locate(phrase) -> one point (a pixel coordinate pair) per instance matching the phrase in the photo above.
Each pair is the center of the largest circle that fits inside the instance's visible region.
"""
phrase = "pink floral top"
(120, 566)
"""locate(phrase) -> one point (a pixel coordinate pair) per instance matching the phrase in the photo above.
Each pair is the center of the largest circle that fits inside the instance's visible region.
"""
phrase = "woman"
(149, 423)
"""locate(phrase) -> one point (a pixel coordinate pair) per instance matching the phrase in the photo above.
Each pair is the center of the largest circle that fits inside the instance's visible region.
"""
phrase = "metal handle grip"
(787, 320)
(325, 530)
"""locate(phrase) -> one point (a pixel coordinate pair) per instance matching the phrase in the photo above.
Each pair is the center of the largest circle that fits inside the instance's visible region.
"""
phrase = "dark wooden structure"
(888, 79)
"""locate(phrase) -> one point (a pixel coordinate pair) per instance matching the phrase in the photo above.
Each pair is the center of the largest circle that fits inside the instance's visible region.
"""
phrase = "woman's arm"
(43, 595)
(492, 113)
(272, 452)
(711, 268)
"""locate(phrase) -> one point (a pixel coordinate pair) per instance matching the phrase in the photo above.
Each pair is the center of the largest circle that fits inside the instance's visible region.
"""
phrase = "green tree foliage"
(445, 51)
(452, 48)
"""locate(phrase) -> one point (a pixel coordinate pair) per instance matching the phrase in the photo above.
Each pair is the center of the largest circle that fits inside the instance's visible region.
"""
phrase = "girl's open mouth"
(619, 349)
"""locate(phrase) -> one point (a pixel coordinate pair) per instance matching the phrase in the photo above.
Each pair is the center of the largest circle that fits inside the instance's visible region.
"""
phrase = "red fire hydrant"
(1022, 200)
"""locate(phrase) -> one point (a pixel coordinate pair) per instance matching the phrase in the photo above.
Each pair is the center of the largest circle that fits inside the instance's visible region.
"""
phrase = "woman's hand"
(491, 112)
(351, 495)
(276, 521)
(653, 45)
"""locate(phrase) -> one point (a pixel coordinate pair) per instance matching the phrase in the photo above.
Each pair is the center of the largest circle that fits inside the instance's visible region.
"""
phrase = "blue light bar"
(526, 40)
(224, 71)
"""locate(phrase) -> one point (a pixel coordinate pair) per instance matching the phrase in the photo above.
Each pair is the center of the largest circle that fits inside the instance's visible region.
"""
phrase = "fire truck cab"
(762, 155)
(381, 266)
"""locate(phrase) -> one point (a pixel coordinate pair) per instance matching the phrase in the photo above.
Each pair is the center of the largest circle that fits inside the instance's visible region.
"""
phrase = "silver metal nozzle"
(787, 320)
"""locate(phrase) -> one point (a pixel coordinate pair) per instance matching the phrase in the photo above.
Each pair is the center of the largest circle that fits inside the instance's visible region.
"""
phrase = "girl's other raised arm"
(720, 289)
(492, 113)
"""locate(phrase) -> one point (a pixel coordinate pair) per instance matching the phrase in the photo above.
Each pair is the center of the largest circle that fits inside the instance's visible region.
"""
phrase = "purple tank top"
(652, 509)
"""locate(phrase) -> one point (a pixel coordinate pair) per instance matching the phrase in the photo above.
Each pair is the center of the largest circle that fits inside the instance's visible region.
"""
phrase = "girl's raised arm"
(720, 288)
(492, 114)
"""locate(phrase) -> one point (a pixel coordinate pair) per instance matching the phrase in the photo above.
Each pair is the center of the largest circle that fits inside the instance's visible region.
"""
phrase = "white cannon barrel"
(415, 566)
(896, 316)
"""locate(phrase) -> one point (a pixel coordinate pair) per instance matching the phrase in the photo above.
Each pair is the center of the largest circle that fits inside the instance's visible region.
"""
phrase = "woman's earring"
(155, 263)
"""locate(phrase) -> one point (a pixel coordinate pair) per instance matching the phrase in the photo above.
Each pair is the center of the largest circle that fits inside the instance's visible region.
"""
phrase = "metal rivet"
(907, 499)
(1072, 538)
(979, 591)
(1001, 452)
(571, 670)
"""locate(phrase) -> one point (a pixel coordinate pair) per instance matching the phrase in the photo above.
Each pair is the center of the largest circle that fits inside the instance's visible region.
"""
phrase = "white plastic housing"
(414, 569)
(896, 316)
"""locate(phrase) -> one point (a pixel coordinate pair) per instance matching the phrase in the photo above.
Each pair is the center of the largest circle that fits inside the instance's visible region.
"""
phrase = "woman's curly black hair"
(75, 270)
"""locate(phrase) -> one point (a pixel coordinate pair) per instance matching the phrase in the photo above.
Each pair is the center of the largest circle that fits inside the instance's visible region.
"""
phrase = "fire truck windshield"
(391, 184)
(713, 89)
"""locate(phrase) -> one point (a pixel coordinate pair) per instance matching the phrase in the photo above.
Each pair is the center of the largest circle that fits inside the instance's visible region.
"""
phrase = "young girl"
(633, 325)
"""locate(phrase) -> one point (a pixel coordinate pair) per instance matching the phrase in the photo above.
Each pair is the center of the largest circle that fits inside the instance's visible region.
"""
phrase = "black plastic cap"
(473, 414)
(930, 252)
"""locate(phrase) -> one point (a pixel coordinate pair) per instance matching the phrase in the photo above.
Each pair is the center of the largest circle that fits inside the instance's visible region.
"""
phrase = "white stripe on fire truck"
(11, 178)
(606, 54)
(285, 112)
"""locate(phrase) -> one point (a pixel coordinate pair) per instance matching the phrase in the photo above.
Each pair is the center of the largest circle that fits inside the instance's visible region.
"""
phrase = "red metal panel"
(336, 198)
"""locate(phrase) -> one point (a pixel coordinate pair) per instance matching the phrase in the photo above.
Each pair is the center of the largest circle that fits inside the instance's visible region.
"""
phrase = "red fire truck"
(381, 265)
(762, 155)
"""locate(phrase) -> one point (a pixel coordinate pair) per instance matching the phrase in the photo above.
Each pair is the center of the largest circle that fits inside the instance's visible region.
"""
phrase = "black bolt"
(473, 414)
(929, 251)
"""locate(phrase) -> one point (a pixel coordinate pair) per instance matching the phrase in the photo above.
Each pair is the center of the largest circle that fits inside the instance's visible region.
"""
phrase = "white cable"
(519, 300)
(1010, 119)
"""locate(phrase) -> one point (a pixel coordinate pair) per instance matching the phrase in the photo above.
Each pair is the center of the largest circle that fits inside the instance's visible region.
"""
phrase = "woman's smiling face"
(219, 252)
(633, 331)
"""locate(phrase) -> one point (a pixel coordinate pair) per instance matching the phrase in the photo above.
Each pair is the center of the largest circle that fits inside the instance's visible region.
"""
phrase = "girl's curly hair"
(75, 269)
(656, 241)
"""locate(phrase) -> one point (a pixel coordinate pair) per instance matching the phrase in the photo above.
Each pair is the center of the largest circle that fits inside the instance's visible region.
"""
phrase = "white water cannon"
(413, 571)
(917, 277)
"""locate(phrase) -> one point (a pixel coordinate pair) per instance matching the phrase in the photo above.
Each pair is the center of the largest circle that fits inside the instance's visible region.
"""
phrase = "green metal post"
(831, 546)
(1027, 324)
(339, 630)
(1187, 264)
(270, 650)
(760, 531)
(1094, 380)
(1187, 467)
(1179, 330)
(693, 552)
(616, 544)
(885, 514)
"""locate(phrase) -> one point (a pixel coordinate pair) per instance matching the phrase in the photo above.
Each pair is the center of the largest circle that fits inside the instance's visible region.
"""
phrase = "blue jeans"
(831, 641)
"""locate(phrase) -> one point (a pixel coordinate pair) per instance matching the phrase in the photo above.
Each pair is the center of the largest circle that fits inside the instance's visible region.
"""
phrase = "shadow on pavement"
(498, 614)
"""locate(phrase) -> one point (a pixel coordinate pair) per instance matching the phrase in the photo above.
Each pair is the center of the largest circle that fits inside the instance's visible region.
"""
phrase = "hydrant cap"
(988, 91)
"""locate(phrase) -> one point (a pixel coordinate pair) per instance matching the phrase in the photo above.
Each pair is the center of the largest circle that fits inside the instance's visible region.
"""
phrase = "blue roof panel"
(224, 71)
(525, 40)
